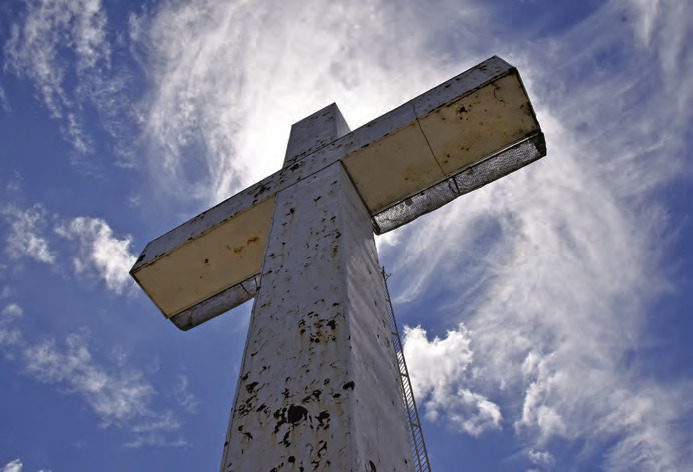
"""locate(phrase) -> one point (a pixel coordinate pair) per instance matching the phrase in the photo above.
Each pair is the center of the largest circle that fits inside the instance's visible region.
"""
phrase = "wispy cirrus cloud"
(151, 432)
(3, 100)
(36, 50)
(13, 466)
(114, 396)
(17, 466)
(25, 237)
(663, 29)
(66, 49)
(185, 399)
(224, 94)
(9, 334)
(559, 263)
(541, 458)
(119, 396)
(100, 253)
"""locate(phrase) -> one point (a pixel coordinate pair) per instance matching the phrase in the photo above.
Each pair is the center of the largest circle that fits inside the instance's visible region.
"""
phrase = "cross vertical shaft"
(319, 386)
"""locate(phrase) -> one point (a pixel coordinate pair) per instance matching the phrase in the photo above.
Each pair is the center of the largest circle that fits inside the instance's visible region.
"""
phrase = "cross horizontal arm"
(459, 136)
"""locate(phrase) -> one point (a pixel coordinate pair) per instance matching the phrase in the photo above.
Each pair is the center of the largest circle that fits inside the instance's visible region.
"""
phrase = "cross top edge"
(315, 131)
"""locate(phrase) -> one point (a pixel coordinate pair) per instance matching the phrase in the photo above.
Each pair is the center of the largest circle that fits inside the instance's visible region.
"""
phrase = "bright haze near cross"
(547, 315)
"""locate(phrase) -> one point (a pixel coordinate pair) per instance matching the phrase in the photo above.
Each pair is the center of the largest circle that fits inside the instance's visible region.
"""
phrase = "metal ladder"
(415, 433)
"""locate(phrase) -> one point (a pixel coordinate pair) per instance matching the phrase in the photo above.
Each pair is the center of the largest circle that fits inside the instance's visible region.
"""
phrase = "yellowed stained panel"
(479, 124)
(224, 256)
(397, 165)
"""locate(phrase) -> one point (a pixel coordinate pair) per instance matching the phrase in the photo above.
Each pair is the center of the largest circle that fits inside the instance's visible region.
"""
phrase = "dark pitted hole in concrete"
(291, 459)
(370, 467)
(296, 414)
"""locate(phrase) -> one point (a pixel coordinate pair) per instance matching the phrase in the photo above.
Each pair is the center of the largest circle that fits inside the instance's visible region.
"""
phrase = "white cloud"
(63, 48)
(15, 183)
(155, 440)
(166, 422)
(25, 237)
(10, 335)
(12, 311)
(432, 363)
(101, 253)
(118, 397)
(114, 396)
(14, 466)
(664, 28)
(225, 94)
(117, 394)
(647, 12)
(17, 466)
(35, 48)
(541, 458)
(3, 100)
(183, 396)
(437, 371)
(151, 433)
(556, 267)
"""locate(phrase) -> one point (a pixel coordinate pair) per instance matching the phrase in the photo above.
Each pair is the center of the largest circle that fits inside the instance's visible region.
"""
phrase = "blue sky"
(547, 316)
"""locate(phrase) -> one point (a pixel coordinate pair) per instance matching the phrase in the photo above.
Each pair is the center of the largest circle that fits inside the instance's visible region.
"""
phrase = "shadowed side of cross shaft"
(319, 386)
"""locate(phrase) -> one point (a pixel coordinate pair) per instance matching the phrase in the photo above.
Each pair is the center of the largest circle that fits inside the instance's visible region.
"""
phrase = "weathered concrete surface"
(319, 387)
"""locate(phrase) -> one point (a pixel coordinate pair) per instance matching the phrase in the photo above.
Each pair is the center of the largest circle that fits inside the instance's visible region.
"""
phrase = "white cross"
(319, 386)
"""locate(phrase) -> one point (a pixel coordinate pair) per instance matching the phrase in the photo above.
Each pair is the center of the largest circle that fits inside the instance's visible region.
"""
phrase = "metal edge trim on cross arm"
(217, 304)
(471, 178)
